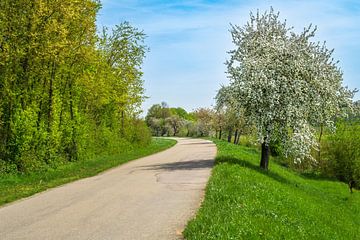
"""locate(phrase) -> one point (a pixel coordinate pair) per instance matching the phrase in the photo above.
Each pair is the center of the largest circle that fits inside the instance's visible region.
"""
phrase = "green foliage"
(66, 93)
(342, 152)
(16, 186)
(244, 202)
(182, 113)
(163, 120)
(156, 118)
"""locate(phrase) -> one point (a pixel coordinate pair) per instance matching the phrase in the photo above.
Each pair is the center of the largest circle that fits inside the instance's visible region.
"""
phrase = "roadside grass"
(244, 202)
(13, 187)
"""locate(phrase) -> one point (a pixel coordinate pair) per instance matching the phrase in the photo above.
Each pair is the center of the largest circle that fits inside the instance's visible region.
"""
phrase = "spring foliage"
(287, 84)
(66, 93)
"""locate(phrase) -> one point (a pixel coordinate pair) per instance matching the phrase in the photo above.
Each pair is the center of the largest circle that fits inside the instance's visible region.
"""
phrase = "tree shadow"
(246, 164)
(317, 176)
(251, 150)
(183, 165)
(197, 143)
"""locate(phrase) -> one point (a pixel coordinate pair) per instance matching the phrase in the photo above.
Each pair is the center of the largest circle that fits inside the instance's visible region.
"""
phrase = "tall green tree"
(64, 90)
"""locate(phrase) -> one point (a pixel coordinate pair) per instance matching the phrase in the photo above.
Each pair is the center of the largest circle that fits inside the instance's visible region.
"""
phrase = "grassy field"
(13, 187)
(244, 202)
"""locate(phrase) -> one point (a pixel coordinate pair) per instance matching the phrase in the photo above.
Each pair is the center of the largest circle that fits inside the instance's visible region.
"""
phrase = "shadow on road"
(197, 143)
(184, 165)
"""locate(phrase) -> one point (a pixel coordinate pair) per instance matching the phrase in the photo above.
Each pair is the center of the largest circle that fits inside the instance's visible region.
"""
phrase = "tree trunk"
(238, 138)
(229, 136)
(236, 135)
(220, 133)
(265, 150)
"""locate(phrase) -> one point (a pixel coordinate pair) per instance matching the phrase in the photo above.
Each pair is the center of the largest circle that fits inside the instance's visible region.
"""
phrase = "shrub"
(342, 152)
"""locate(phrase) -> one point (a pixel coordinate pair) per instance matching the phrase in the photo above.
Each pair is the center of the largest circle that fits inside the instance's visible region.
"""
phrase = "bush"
(342, 152)
(140, 134)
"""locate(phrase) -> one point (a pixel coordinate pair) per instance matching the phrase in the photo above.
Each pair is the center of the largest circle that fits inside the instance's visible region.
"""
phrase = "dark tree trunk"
(220, 133)
(236, 135)
(229, 136)
(238, 138)
(265, 150)
(351, 185)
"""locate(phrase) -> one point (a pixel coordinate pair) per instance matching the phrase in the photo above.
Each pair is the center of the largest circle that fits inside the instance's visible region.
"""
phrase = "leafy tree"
(204, 118)
(218, 122)
(182, 113)
(63, 89)
(286, 84)
(175, 123)
(156, 118)
(342, 151)
(155, 125)
(189, 126)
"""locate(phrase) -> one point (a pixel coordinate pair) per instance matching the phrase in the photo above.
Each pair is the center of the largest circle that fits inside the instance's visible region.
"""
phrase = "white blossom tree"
(286, 84)
(233, 117)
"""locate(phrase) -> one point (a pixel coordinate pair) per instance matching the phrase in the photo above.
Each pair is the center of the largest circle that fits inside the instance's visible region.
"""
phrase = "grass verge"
(13, 187)
(244, 202)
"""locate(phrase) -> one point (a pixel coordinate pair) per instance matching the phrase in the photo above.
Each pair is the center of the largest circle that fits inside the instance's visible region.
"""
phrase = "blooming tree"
(286, 84)
(233, 117)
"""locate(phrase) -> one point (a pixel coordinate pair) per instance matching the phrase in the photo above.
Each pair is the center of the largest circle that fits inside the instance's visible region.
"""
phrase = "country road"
(149, 198)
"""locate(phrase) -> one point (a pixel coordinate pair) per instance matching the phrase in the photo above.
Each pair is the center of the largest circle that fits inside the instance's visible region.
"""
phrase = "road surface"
(150, 198)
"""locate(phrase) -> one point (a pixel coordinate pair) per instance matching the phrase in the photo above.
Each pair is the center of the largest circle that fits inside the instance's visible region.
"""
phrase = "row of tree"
(166, 121)
(223, 122)
(66, 92)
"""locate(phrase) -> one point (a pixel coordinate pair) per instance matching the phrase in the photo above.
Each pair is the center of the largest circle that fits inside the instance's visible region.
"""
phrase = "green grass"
(13, 187)
(244, 202)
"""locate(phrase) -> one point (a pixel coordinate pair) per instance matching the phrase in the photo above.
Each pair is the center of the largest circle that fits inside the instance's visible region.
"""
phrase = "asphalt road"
(150, 198)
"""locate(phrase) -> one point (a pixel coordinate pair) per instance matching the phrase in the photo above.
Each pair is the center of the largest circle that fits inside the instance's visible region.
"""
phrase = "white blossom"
(287, 84)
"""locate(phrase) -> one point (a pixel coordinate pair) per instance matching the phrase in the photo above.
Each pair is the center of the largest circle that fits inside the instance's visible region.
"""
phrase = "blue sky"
(189, 40)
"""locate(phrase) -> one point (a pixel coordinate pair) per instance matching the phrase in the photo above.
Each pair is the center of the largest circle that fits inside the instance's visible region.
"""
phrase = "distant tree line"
(167, 121)
(66, 92)
(220, 122)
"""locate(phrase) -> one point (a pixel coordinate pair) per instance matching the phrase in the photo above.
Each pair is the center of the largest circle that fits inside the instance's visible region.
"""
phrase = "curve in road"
(150, 198)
